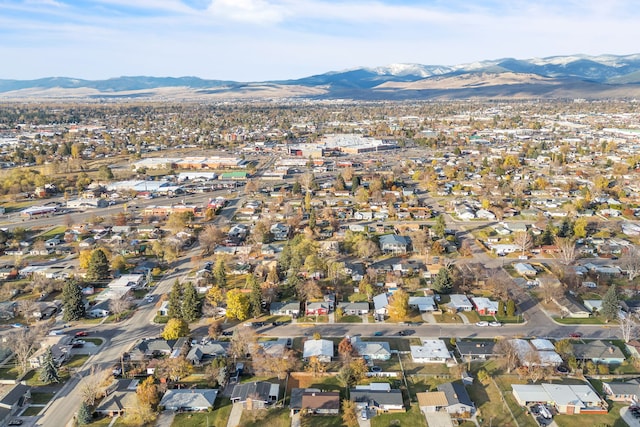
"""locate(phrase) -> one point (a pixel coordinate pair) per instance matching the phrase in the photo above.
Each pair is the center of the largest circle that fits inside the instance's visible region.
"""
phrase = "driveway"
(234, 416)
(165, 419)
(438, 419)
(295, 420)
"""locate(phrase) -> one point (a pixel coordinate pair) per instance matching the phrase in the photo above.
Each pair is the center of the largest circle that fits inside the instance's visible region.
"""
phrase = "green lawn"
(218, 417)
(54, 232)
(321, 421)
(96, 341)
(9, 371)
(574, 321)
(313, 319)
(266, 417)
(349, 319)
(32, 411)
(611, 419)
(41, 398)
(413, 418)
(77, 360)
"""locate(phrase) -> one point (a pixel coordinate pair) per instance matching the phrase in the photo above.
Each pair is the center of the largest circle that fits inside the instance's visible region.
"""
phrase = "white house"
(431, 351)
(322, 349)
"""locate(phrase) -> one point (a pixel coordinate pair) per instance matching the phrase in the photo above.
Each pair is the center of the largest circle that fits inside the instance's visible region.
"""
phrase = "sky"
(259, 40)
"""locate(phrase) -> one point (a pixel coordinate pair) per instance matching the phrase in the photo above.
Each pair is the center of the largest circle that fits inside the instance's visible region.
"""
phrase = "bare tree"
(23, 342)
(243, 342)
(508, 354)
(119, 306)
(93, 385)
(210, 237)
(628, 326)
(567, 248)
(523, 240)
(630, 263)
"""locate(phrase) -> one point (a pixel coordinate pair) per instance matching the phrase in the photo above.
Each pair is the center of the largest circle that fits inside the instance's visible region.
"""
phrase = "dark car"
(227, 333)
(406, 332)
(15, 422)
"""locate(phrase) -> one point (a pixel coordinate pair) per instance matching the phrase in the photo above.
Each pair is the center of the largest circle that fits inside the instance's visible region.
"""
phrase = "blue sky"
(252, 40)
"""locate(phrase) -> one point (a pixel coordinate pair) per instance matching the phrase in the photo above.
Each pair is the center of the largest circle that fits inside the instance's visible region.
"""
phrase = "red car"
(82, 334)
(575, 335)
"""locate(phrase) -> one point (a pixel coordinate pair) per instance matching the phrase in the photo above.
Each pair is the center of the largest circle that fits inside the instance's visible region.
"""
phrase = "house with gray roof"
(189, 399)
(476, 349)
(255, 395)
(200, 353)
(378, 396)
(286, 308)
(394, 243)
(354, 308)
(598, 352)
(458, 400)
(459, 302)
(627, 391)
(322, 349)
(567, 399)
(13, 399)
(371, 350)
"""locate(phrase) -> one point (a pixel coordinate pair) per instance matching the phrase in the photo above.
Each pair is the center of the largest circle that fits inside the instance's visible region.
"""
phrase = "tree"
(98, 268)
(220, 273)
(610, 303)
(117, 306)
(190, 307)
(174, 310)
(511, 308)
(178, 221)
(175, 328)
(567, 248)
(174, 368)
(237, 305)
(72, 302)
(398, 306)
(217, 371)
(243, 341)
(522, 240)
(439, 228)
(83, 258)
(210, 237)
(315, 366)
(255, 297)
(147, 392)
(49, 370)
(214, 296)
(564, 347)
(214, 330)
(22, 344)
(105, 173)
(349, 415)
(443, 282)
(84, 416)
(508, 354)
(628, 327)
(345, 350)
(580, 228)
(630, 263)
(92, 385)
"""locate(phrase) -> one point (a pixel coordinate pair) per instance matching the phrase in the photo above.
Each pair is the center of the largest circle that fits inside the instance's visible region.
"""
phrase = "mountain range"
(575, 76)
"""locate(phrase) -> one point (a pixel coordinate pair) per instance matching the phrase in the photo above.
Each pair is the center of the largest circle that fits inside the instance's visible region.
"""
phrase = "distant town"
(320, 263)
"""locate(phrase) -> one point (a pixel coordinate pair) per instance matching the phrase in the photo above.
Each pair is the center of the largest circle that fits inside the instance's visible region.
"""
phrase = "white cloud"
(252, 11)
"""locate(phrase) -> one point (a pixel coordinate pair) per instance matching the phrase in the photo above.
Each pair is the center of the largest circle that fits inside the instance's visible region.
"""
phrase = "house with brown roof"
(315, 401)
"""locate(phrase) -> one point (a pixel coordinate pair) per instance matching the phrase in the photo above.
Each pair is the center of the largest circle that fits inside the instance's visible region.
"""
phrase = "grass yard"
(32, 411)
(313, 319)
(447, 318)
(349, 319)
(76, 361)
(9, 371)
(54, 232)
(487, 399)
(266, 417)
(41, 398)
(96, 341)
(611, 419)
(576, 321)
(413, 417)
(321, 421)
(217, 417)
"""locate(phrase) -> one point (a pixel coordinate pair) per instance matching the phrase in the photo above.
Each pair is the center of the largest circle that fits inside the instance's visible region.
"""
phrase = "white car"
(482, 323)
(495, 324)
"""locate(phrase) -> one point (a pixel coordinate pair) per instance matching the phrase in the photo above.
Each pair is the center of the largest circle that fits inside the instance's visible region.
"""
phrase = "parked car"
(482, 323)
(495, 324)
(406, 332)
(377, 334)
(15, 422)
(227, 333)
(81, 334)
(576, 335)
(375, 369)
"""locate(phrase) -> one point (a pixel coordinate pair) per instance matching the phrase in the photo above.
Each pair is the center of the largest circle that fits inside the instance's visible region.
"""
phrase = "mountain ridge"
(578, 75)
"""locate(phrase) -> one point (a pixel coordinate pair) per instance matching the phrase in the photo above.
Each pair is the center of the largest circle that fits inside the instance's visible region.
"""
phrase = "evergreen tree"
(98, 268)
(443, 283)
(49, 370)
(84, 414)
(439, 228)
(255, 297)
(340, 184)
(610, 303)
(355, 183)
(72, 302)
(220, 273)
(500, 308)
(174, 310)
(312, 219)
(511, 308)
(190, 304)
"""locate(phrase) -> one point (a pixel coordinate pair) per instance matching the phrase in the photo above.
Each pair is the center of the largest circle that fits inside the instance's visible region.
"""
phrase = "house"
(571, 308)
(627, 391)
(431, 351)
(393, 243)
(317, 308)
(381, 304)
(255, 395)
(524, 269)
(164, 309)
(598, 352)
(200, 353)
(377, 396)
(279, 231)
(315, 401)
(459, 302)
(120, 396)
(322, 349)
(424, 303)
(101, 309)
(290, 308)
(484, 306)
(536, 352)
(275, 348)
(434, 401)
(156, 347)
(189, 399)
(60, 349)
(567, 399)
(458, 400)
(354, 308)
(476, 349)
(12, 399)
(371, 350)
